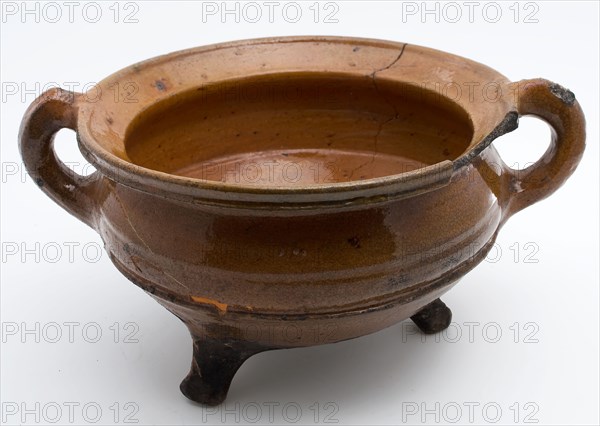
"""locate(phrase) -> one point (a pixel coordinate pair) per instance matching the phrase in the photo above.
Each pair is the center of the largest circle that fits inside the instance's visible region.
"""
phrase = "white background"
(539, 288)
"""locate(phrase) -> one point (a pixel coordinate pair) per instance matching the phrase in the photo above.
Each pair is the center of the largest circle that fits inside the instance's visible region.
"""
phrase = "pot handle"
(559, 108)
(52, 111)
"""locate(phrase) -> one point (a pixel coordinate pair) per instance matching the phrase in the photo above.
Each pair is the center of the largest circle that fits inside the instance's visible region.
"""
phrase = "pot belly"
(288, 331)
(303, 263)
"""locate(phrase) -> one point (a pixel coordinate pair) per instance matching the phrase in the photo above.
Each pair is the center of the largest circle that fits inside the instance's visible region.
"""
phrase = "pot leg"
(433, 318)
(214, 364)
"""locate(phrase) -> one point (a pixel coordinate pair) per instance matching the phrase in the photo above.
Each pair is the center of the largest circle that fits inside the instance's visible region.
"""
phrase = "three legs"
(214, 364)
(433, 318)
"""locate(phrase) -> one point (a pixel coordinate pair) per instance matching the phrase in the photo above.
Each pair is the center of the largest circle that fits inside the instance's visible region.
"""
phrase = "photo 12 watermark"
(91, 92)
(453, 12)
(269, 12)
(69, 332)
(56, 252)
(69, 412)
(469, 412)
(272, 412)
(476, 332)
(55, 12)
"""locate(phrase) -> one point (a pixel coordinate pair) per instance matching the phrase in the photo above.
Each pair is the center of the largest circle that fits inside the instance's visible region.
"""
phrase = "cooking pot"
(287, 192)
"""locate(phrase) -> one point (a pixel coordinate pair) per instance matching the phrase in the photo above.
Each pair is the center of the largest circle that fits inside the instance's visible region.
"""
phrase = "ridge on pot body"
(345, 258)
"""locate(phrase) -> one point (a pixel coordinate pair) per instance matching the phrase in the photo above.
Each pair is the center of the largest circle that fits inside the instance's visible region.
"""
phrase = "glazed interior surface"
(298, 129)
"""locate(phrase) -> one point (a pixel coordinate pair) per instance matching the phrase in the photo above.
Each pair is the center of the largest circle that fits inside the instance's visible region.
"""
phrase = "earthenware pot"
(287, 192)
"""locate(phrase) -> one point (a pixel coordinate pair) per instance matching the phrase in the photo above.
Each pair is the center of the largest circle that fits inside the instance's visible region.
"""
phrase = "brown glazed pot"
(287, 192)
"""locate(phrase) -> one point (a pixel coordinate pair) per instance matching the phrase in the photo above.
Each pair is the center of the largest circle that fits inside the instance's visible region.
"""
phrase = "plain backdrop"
(81, 344)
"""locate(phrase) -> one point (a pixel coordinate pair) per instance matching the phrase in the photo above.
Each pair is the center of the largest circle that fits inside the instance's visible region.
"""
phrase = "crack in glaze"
(395, 116)
(393, 62)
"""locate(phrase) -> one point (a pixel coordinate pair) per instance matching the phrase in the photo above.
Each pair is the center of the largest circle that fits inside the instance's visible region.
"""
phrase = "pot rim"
(486, 128)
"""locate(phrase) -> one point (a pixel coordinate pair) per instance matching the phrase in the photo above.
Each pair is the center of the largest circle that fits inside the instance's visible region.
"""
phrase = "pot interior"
(298, 129)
